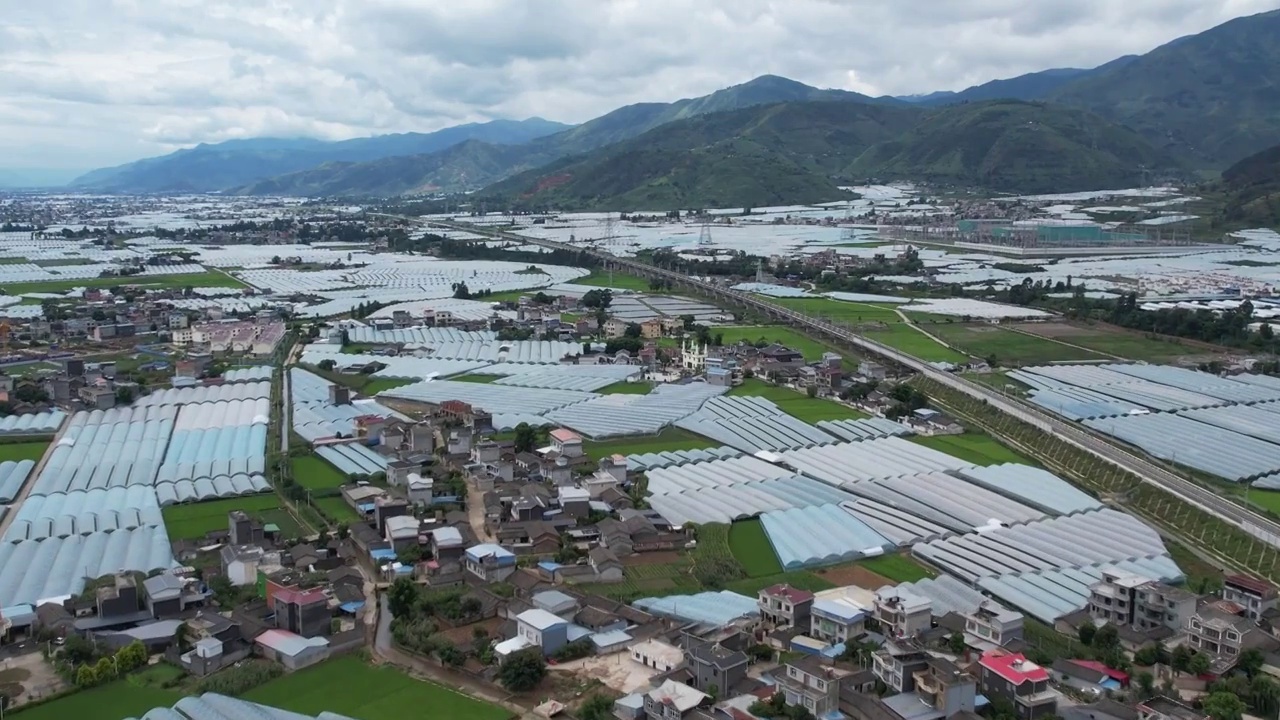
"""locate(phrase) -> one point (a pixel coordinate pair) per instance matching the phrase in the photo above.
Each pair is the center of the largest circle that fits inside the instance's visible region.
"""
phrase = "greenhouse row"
(585, 378)
(1031, 486)
(1197, 445)
(752, 424)
(869, 460)
(66, 562)
(210, 488)
(1092, 538)
(898, 526)
(486, 396)
(865, 429)
(947, 500)
(247, 374)
(711, 608)
(13, 475)
(946, 595)
(726, 503)
(44, 423)
(820, 535)
(1048, 595)
(616, 415)
(353, 459)
(206, 394)
(668, 458)
(398, 366)
(432, 336)
(314, 417)
(85, 512)
(1259, 421)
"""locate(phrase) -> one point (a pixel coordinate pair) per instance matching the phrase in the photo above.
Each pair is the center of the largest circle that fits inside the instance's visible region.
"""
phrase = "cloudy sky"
(86, 83)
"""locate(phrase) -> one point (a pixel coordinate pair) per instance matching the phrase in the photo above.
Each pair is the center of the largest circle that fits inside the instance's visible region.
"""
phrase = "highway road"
(1204, 498)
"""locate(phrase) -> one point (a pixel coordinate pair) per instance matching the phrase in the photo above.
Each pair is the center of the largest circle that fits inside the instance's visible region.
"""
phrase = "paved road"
(1251, 522)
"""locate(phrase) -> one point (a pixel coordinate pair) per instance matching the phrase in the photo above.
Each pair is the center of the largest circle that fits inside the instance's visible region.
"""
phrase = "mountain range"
(1198, 103)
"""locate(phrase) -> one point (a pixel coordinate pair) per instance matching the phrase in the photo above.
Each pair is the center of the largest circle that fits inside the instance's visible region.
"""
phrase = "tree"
(1106, 638)
(956, 643)
(1250, 662)
(124, 395)
(1146, 685)
(811, 391)
(713, 690)
(633, 331)
(526, 438)
(1223, 706)
(460, 291)
(328, 364)
(596, 707)
(1199, 664)
(182, 637)
(450, 655)
(523, 671)
(597, 299)
(86, 677)
(687, 321)
(1180, 659)
(402, 597)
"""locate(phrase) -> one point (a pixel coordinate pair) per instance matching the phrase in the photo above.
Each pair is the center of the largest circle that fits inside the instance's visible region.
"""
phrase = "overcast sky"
(86, 83)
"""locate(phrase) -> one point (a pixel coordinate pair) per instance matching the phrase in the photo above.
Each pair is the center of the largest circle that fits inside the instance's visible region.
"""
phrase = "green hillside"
(1213, 97)
(757, 156)
(1252, 191)
(1014, 146)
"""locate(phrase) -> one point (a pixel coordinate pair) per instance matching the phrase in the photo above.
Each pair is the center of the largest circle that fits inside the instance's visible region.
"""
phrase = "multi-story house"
(785, 606)
(813, 684)
(942, 686)
(992, 624)
(1254, 595)
(1162, 605)
(1112, 599)
(716, 668)
(902, 614)
(836, 621)
(1024, 684)
(671, 701)
(895, 665)
(1222, 636)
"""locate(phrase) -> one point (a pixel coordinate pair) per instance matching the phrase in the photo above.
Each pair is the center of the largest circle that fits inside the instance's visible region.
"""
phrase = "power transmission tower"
(704, 237)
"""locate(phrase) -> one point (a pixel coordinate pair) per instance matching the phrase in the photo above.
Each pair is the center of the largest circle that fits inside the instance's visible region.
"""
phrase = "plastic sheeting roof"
(668, 458)
(868, 460)
(353, 459)
(1031, 486)
(248, 374)
(84, 512)
(895, 524)
(32, 423)
(212, 706)
(63, 563)
(725, 503)
(487, 396)
(752, 424)
(13, 475)
(713, 608)
(586, 378)
(946, 500)
(1050, 594)
(207, 393)
(820, 535)
(1198, 445)
(865, 429)
(614, 415)
(1099, 537)
(946, 594)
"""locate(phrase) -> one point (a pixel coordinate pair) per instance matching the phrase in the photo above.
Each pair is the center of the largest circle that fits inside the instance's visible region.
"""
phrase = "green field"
(799, 579)
(23, 451)
(669, 439)
(796, 404)
(977, 448)
(348, 686)
(1008, 346)
(751, 548)
(477, 378)
(314, 473)
(113, 701)
(338, 509)
(807, 346)
(915, 343)
(377, 385)
(193, 520)
(618, 282)
(204, 279)
(30, 368)
(852, 313)
(1130, 345)
(901, 568)
(626, 388)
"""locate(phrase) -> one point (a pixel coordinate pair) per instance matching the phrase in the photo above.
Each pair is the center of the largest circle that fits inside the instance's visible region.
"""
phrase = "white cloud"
(90, 82)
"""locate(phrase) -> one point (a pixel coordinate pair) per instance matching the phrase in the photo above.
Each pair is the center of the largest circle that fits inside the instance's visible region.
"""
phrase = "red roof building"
(1014, 667)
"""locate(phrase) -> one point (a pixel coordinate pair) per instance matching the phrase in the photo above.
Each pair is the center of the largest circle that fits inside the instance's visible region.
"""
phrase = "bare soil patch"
(841, 575)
